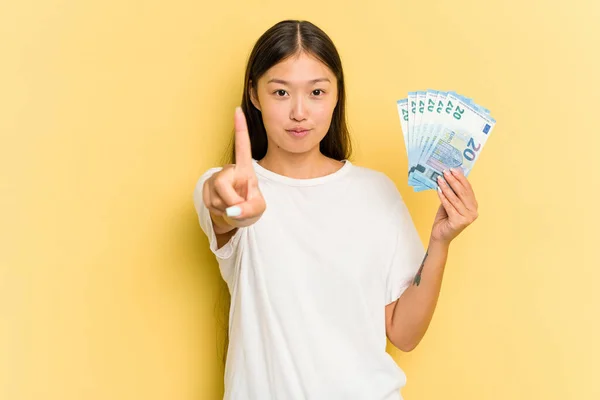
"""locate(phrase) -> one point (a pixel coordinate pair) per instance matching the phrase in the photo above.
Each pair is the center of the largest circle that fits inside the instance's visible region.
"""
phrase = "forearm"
(221, 224)
(414, 309)
(225, 228)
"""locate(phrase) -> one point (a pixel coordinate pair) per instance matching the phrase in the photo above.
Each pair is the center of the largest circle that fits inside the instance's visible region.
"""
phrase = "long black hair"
(283, 40)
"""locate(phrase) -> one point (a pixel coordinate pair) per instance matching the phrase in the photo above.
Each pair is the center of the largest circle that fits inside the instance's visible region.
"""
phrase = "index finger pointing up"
(243, 150)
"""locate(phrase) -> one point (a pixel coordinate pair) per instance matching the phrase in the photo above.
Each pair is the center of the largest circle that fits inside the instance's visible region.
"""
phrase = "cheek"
(274, 114)
(323, 111)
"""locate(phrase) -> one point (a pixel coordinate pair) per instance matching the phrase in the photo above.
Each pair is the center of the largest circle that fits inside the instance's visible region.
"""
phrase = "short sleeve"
(407, 255)
(226, 254)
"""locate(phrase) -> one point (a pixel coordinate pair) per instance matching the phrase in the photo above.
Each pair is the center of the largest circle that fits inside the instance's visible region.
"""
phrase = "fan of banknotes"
(441, 130)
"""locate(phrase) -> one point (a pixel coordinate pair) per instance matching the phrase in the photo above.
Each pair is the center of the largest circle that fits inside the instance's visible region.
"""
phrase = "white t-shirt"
(309, 283)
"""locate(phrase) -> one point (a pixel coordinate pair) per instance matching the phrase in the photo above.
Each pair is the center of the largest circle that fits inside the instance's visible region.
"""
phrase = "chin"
(300, 149)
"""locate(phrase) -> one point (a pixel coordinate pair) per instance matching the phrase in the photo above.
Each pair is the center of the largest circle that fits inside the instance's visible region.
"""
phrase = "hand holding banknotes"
(444, 135)
(458, 209)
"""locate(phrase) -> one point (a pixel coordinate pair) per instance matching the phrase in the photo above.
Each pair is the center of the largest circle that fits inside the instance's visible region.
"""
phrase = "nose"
(299, 110)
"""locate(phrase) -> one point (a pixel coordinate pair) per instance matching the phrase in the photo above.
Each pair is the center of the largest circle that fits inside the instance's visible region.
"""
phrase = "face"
(296, 98)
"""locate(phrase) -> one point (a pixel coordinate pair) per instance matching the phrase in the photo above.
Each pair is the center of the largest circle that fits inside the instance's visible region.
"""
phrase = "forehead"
(299, 69)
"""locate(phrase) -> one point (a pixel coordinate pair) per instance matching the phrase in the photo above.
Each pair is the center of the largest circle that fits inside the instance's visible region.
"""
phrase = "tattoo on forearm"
(417, 280)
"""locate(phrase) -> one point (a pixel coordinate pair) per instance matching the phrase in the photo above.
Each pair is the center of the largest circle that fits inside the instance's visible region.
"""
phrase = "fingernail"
(445, 172)
(233, 211)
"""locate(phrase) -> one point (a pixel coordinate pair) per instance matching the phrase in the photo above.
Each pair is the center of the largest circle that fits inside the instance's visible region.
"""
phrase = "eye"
(280, 91)
(318, 90)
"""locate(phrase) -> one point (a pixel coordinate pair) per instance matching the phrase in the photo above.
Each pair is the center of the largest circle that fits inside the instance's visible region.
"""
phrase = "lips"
(298, 132)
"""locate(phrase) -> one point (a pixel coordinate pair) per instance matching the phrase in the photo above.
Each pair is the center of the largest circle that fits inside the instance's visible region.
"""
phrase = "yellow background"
(111, 110)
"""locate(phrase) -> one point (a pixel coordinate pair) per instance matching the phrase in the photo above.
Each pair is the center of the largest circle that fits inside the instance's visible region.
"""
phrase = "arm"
(408, 318)
(225, 228)
(223, 231)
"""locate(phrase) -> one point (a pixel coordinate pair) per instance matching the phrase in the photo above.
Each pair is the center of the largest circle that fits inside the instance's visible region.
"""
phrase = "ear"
(253, 96)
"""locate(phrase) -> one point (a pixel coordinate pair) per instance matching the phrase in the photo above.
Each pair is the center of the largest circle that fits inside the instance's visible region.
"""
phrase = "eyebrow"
(287, 83)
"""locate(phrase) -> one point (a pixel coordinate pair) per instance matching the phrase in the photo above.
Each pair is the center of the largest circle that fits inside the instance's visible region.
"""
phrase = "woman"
(321, 257)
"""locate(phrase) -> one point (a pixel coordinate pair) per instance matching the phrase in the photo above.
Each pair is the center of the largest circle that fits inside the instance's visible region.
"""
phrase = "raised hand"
(232, 194)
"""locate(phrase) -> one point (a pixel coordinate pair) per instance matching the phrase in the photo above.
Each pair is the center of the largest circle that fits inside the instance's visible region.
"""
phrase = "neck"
(312, 164)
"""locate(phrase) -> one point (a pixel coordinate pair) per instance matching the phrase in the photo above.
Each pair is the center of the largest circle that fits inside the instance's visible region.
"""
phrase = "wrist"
(220, 224)
(439, 244)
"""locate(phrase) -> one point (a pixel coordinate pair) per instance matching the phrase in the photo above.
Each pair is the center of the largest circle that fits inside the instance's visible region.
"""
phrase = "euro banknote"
(441, 130)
